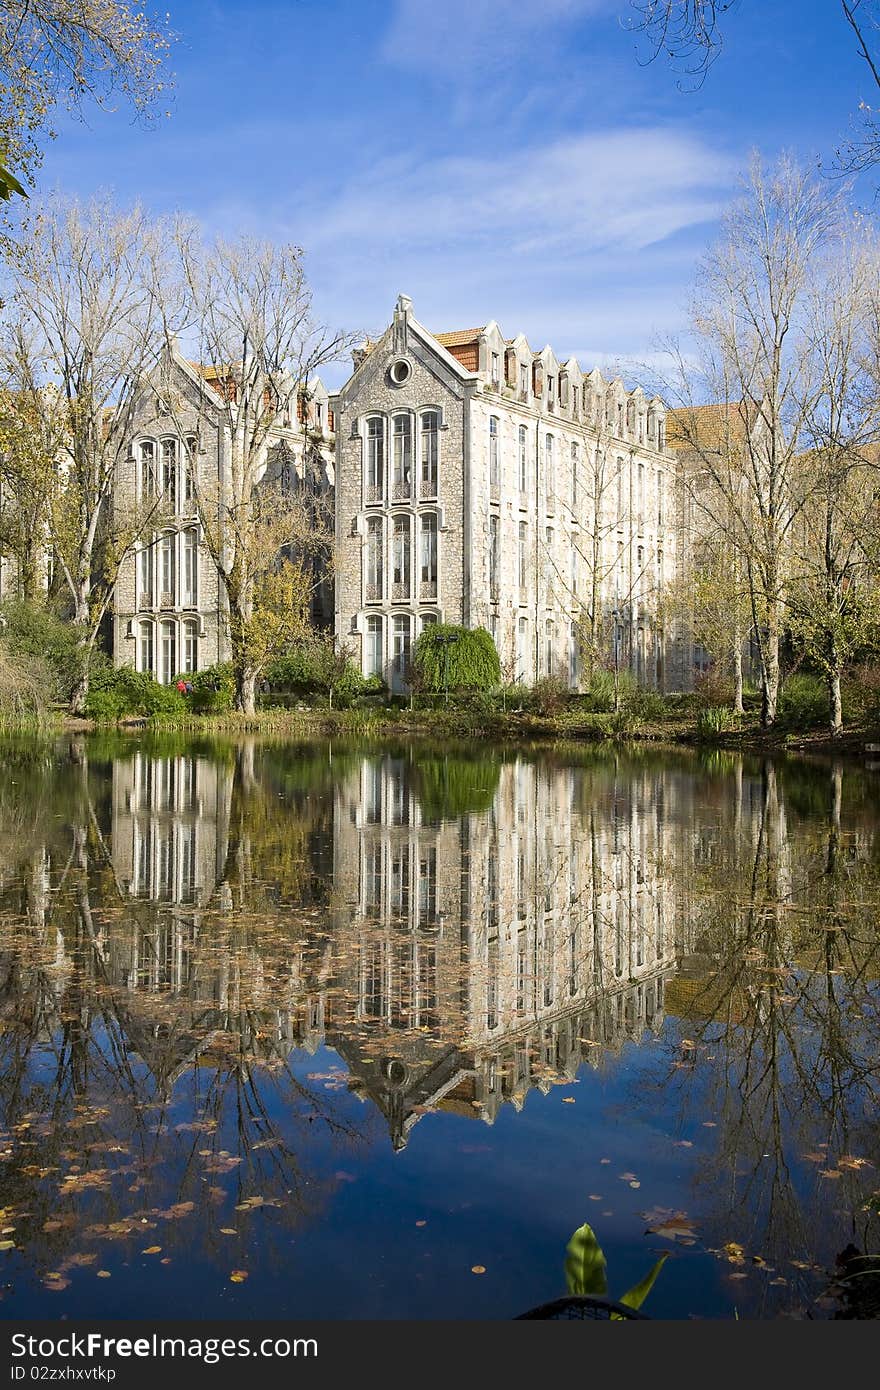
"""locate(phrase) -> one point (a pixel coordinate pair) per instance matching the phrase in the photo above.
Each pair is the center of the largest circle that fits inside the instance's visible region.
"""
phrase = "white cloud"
(438, 37)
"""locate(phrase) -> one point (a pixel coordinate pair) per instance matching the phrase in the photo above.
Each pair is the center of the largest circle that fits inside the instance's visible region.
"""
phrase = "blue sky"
(490, 158)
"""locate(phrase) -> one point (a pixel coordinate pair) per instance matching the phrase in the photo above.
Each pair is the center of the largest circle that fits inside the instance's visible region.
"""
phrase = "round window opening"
(401, 371)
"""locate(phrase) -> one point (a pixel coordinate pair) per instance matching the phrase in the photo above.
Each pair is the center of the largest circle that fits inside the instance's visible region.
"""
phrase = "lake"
(357, 1030)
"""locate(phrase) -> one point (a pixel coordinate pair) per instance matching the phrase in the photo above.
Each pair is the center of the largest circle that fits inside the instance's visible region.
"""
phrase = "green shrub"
(549, 696)
(715, 720)
(646, 704)
(213, 689)
(113, 694)
(316, 668)
(35, 631)
(446, 657)
(713, 687)
(803, 701)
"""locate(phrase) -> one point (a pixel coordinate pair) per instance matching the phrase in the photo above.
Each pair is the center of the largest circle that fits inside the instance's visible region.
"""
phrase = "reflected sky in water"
(314, 1030)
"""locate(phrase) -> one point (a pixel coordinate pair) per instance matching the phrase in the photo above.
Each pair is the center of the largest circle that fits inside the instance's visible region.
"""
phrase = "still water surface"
(316, 1030)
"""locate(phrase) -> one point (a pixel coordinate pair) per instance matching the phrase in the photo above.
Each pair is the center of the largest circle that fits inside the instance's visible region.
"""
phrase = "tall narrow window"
(523, 557)
(400, 558)
(374, 559)
(548, 646)
(496, 369)
(374, 646)
(429, 451)
(145, 577)
(190, 645)
(549, 471)
(493, 454)
(523, 460)
(169, 652)
(168, 569)
(620, 493)
(522, 639)
(428, 557)
(148, 469)
(190, 596)
(169, 473)
(375, 479)
(146, 642)
(523, 381)
(400, 649)
(640, 501)
(190, 464)
(661, 435)
(494, 526)
(660, 499)
(575, 461)
(402, 456)
(575, 568)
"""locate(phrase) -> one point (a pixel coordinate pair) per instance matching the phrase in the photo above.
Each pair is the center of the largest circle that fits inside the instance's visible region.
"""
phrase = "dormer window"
(319, 414)
(549, 390)
(620, 419)
(523, 380)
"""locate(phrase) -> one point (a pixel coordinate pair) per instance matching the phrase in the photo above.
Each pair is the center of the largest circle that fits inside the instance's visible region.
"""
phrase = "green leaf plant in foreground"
(585, 1270)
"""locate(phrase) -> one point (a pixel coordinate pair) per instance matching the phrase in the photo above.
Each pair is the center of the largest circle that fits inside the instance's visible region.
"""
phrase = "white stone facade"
(480, 483)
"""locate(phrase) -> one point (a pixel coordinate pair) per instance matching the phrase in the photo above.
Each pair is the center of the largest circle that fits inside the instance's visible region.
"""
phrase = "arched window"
(494, 474)
(374, 654)
(374, 481)
(430, 438)
(427, 619)
(148, 469)
(374, 566)
(169, 652)
(190, 645)
(190, 595)
(400, 558)
(147, 654)
(428, 557)
(402, 457)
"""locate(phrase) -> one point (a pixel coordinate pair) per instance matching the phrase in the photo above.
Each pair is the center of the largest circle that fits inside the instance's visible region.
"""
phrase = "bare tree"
(72, 51)
(259, 345)
(84, 327)
(690, 33)
(753, 357)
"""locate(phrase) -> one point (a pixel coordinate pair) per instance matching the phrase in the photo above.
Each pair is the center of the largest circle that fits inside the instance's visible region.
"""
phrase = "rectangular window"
(494, 526)
(190, 646)
(374, 560)
(429, 454)
(402, 456)
(496, 369)
(522, 638)
(428, 558)
(574, 474)
(400, 559)
(148, 469)
(145, 577)
(575, 568)
(550, 471)
(168, 567)
(169, 652)
(190, 465)
(401, 635)
(169, 473)
(523, 380)
(374, 646)
(375, 460)
(522, 557)
(494, 478)
(190, 596)
(523, 460)
(146, 642)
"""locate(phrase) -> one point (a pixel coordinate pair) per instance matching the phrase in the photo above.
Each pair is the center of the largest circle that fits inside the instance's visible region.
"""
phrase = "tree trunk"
(737, 678)
(770, 673)
(245, 690)
(835, 703)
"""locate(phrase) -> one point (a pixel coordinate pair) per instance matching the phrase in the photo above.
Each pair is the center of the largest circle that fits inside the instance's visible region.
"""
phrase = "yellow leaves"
(734, 1252)
(7, 1244)
(568, 1100)
(238, 1276)
(848, 1161)
(151, 1250)
(478, 1269)
(104, 1274)
(228, 1231)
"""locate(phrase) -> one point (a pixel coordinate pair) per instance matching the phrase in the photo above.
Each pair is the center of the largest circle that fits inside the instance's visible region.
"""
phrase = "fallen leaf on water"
(635, 1183)
(478, 1269)
(228, 1231)
(594, 1197)
(709, 1124)
(683, 1144)
(421, 1223)
(238, 1276)
(104, 1274)
(829, 1173)
(848, 1161)
(604, 1160)
(151, 1250)
(568, 1100)
(734, 1252)
(627, 1177)
(7, 1244)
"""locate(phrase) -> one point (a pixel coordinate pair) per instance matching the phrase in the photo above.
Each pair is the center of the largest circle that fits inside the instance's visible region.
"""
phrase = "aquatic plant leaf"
(635, 1297)
(585, 1264)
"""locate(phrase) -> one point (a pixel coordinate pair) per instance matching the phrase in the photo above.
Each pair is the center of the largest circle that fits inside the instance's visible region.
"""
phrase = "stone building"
(484, 484)
(170, 610)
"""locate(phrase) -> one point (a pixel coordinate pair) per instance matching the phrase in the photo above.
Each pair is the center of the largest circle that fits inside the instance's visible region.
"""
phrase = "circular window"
(401, 371)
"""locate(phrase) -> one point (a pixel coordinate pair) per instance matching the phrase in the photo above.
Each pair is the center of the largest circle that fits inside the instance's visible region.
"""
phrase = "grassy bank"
(677, 725)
